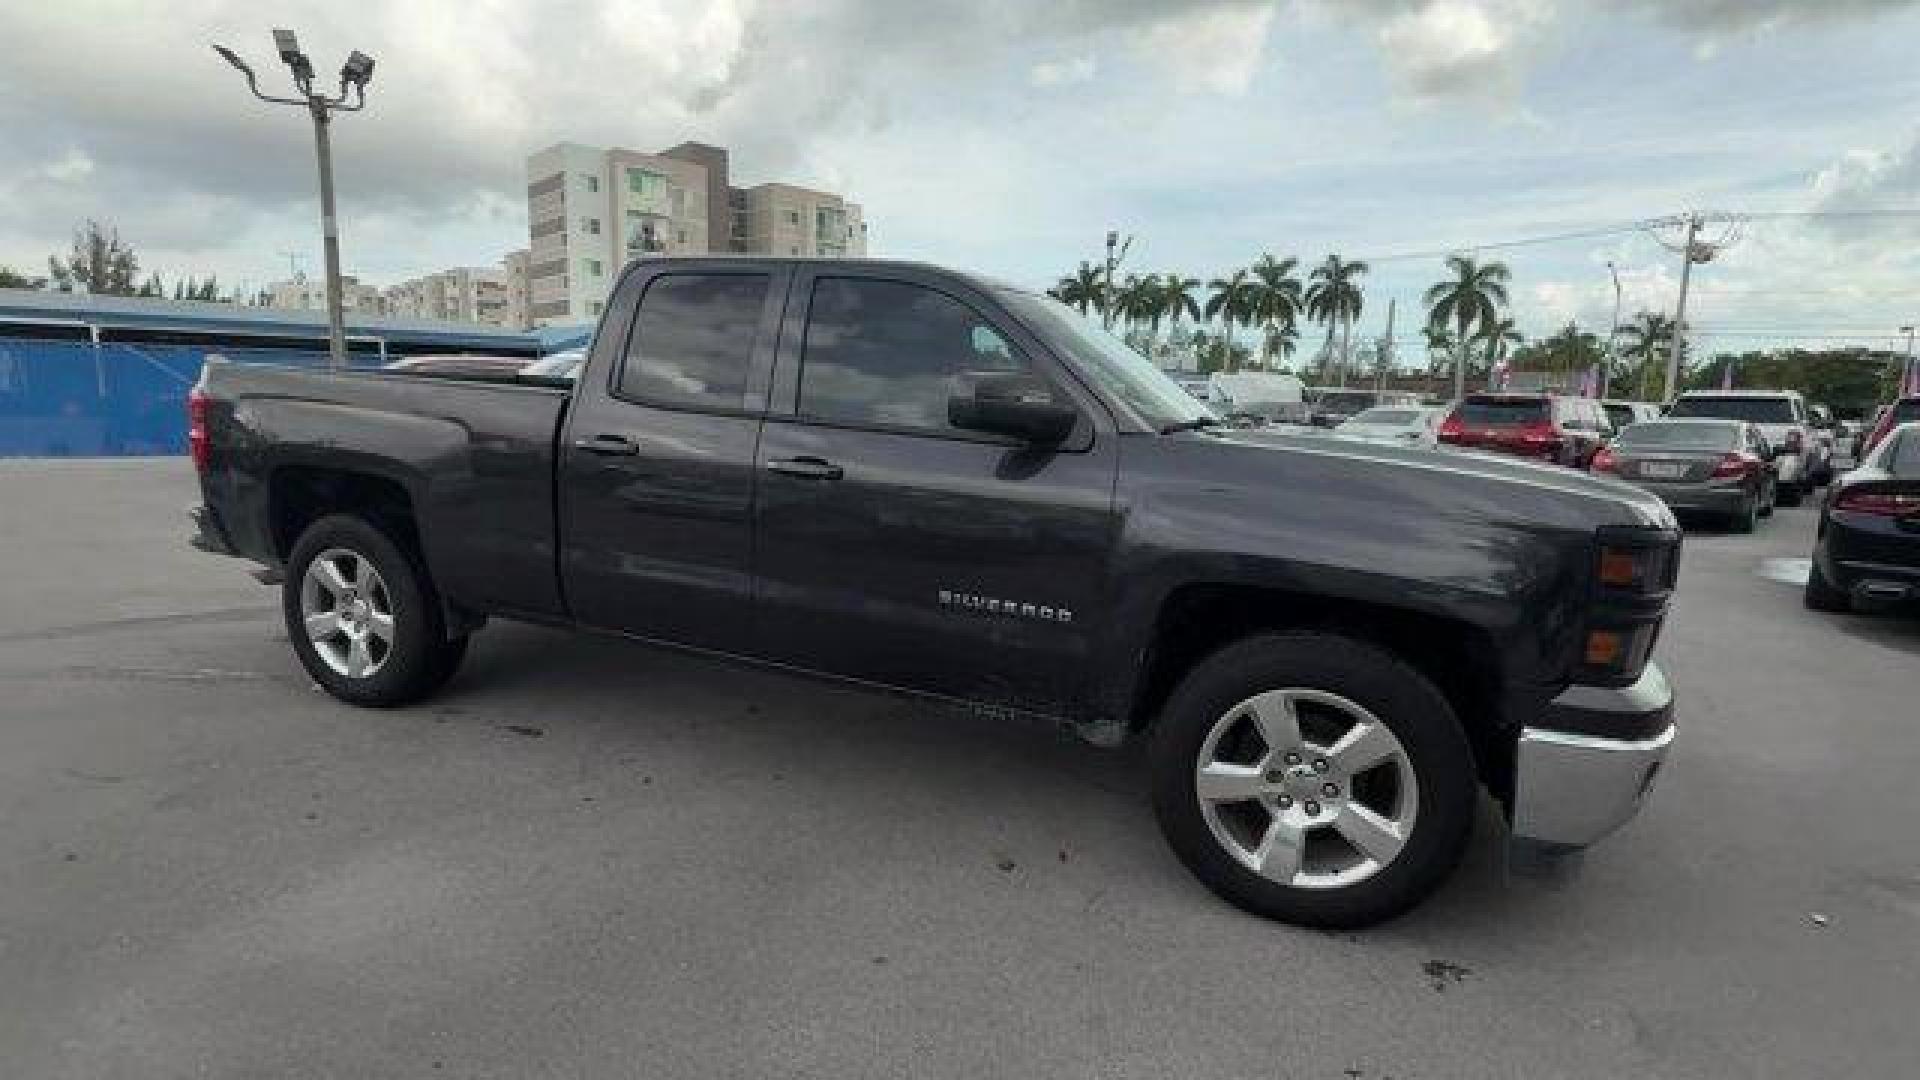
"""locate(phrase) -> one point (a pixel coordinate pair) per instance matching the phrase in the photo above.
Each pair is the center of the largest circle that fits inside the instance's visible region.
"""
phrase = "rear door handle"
(812, 468)
(608, 445)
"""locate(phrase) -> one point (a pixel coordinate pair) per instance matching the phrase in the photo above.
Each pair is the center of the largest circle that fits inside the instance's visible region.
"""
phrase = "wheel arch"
(1459, 657)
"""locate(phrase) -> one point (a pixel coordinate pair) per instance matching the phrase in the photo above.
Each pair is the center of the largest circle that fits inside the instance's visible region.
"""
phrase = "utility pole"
(1692, 250)
(354, 75)
(1613, 335)
(1386, 349)
(1688, 256)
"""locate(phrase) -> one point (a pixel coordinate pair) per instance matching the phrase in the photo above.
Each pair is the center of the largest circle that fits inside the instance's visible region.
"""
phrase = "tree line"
(102, 263)
(1468, 329)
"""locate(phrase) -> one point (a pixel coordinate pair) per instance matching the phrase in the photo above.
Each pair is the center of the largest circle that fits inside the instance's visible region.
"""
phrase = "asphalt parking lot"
(593, 859)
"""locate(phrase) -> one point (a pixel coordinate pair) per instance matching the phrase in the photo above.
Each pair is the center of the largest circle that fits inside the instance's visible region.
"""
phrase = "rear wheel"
(1823, 595)
(364, 620)
(1745, 519)
(1769, 496)
(1791, 494)
(1313, 779)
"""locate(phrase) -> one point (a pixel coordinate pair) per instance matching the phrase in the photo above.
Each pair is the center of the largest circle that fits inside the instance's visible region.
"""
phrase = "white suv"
(1781, 415)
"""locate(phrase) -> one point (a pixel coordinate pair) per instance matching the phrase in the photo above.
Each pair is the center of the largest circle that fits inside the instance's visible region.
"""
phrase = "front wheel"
(1313, 779)
(364, 620)
(1791, 494)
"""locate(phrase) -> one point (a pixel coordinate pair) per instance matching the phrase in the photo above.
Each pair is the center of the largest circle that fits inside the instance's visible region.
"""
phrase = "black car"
(1719, 467)
(1868, 551)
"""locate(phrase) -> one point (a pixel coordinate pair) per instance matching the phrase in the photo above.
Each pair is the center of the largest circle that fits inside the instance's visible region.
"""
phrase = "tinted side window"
(1903, 458)
(693, 340)
(889, 353)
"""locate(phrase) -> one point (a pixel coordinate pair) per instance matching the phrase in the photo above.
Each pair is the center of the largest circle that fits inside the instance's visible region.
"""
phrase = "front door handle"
(608, 445)
(812, 468)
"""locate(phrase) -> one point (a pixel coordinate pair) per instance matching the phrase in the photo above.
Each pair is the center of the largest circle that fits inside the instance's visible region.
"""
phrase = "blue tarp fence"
(78, 399)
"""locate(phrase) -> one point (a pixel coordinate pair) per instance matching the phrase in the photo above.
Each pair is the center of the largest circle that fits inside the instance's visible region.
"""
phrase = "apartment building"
(590, 210)
(462, 294)
(516, 266)
(782, 219)
(301, 293)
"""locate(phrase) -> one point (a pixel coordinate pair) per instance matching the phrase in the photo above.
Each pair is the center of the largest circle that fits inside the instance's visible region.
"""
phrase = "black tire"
(1400, 697)
(1821, 594)
(1790, 494)
(1745, 519)
(421, 657)
(1771, 495)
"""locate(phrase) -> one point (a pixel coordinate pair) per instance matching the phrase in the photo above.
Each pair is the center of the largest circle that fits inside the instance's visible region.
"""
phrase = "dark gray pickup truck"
(922, 481)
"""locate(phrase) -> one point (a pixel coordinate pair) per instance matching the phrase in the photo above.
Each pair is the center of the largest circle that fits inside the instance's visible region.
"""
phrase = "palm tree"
(1440, 349)
(1647, 337)
(1277, 342)
(1278, 303)
(1177, 298)
(1235, 302)
(1498, 334)
(1334, 296)
(1082, 289)
(1472, 298)
(1136, 300)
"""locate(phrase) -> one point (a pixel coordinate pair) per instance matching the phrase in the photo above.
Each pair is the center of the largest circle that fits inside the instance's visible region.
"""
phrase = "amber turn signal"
(1605, 648)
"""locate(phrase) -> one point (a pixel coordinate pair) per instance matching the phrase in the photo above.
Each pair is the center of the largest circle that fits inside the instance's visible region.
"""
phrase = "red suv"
(1565, 430)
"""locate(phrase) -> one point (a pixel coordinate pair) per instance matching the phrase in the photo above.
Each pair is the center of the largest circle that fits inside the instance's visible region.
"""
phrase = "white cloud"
(1214, 50)
(1074, 69)
(1463, 48)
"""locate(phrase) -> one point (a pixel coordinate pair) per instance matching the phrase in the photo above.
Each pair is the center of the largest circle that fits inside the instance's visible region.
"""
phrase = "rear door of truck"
(656, 479)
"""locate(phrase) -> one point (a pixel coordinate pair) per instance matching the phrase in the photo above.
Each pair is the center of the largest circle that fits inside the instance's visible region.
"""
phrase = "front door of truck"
(657, 470)
(895, 548)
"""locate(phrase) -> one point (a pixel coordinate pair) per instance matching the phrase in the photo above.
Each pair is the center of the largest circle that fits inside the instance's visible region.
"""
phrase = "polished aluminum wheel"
(348, 612)
(1306, 788)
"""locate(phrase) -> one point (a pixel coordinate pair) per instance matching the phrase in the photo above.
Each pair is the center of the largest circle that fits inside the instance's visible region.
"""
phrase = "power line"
(1554, 238)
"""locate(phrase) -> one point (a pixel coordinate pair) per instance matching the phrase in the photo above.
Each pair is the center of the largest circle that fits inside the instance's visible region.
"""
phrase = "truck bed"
(475, 457)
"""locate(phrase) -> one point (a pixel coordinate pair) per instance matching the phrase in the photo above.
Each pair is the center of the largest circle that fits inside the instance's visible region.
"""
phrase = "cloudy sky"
(1007, 135)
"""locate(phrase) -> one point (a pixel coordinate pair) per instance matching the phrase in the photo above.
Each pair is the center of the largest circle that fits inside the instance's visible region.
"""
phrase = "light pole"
(1909, 377)
(1613, 335)
(354, 75)
(1113, 260)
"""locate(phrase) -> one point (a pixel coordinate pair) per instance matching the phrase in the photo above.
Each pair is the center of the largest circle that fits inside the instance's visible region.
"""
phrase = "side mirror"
(1012, 404)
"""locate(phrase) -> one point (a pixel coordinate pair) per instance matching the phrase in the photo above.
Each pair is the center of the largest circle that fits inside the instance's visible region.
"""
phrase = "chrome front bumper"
(1573, 785)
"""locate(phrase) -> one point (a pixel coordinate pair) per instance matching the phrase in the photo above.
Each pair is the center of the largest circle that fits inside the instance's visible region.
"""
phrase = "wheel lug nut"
(1286, 801)
(1320, 765)
(1293, 759)
(1329, 790)
(1312, 807)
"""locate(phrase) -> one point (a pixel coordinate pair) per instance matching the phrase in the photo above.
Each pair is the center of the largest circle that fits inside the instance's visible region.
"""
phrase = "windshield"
(1754, 410)
(1501, 412)
(1345, 401)
(1902, 458)
(1109, 363)
(1395, 417)
(1621, 415)
(1701, 436)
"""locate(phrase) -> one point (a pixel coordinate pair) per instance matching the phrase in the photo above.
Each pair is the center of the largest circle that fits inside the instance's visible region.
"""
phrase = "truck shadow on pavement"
(988, 787)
